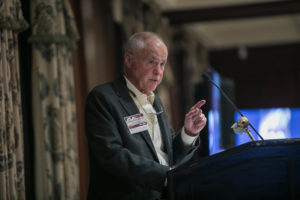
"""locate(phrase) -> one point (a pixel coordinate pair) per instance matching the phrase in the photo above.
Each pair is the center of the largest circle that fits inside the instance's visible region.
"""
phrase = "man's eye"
(153, 62)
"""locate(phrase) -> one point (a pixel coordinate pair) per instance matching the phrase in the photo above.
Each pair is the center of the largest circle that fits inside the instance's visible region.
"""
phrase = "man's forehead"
(156, 58)
(151, 50)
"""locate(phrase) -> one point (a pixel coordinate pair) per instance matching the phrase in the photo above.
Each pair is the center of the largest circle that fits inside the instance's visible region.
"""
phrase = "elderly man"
(131, 143)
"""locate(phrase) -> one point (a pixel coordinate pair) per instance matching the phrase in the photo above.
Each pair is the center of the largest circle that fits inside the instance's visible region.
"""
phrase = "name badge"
(136, 123)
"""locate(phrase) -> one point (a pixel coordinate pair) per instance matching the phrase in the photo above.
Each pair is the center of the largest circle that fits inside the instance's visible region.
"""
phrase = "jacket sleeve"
(182, 152)
(106, 146)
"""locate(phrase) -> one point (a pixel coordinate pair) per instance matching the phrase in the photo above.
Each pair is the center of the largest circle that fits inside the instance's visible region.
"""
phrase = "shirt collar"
(139, 95)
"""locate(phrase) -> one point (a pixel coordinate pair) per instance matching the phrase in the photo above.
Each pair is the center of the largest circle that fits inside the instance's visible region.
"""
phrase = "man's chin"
(153, 88)
(148, 92)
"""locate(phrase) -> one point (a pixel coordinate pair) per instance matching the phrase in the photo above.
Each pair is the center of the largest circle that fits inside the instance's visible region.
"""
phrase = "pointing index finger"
(199, 104)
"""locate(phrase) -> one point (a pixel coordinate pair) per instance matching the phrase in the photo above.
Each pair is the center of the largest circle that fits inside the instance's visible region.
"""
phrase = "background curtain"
(56, 160)
(12, 183)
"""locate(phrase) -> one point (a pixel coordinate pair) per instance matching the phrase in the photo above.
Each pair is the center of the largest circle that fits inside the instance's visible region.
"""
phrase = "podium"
(268, 169)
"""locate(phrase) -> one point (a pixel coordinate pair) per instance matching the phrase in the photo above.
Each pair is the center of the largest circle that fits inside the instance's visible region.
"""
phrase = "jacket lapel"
(125, 99)
(129, 106)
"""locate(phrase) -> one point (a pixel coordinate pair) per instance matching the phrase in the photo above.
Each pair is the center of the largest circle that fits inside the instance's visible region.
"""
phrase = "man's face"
(145, 68)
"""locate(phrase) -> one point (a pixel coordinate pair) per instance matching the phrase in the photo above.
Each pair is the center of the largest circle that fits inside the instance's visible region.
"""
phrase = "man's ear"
(128, 59)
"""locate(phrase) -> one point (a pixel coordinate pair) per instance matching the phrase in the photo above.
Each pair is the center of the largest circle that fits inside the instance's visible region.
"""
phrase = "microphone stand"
(206, 76)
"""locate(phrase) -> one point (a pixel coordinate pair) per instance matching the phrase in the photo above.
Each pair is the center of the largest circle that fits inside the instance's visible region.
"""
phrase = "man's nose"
(158, 69)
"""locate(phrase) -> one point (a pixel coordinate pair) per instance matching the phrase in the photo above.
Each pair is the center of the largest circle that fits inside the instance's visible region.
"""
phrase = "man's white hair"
(138, 41)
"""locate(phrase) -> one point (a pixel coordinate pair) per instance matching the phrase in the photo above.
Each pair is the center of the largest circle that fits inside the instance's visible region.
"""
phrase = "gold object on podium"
(242, 126)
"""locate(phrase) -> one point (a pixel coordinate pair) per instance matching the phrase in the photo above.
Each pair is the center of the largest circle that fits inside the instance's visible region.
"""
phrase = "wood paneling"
(232, 12)
(268, 77)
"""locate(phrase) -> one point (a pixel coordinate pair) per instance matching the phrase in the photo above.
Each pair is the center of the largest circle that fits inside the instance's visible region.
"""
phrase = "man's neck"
(132, 86)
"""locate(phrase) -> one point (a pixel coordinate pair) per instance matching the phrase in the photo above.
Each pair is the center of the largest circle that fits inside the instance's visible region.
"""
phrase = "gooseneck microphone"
(206, 76)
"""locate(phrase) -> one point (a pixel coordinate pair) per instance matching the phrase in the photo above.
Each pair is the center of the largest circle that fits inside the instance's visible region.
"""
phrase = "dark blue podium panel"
(267, 169)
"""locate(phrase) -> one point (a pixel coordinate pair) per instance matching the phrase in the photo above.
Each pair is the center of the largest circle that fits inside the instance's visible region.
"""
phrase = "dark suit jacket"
(125, 165)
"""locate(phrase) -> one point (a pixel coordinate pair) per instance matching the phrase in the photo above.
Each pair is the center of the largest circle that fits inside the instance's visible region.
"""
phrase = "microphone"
(206, 76)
